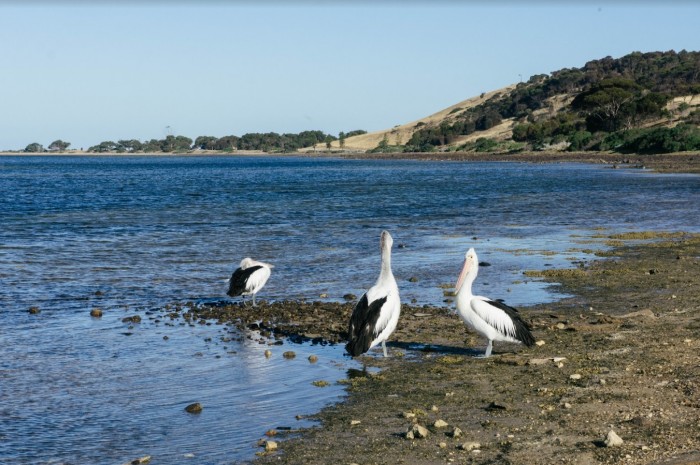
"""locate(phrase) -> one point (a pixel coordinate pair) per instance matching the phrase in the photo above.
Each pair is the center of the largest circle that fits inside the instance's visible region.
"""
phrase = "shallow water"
(129, 234)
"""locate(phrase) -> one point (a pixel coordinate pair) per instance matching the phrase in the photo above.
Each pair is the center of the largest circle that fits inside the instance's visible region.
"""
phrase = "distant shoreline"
(685, 162)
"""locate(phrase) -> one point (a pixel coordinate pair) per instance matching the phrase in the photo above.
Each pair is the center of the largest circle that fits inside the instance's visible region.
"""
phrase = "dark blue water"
(130, 234)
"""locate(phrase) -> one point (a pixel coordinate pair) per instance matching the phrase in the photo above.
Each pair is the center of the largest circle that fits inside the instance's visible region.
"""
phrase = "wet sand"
(622, 355)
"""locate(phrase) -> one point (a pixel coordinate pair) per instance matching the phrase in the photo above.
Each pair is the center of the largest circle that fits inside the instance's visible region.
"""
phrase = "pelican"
(376, 314)
(249, 278)
(491, 318)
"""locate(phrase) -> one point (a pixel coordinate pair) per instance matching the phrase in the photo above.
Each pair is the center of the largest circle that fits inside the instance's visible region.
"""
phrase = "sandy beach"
(621, 355)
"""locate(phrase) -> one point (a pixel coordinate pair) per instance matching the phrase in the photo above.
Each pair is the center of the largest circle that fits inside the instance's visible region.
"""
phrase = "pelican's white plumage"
(491, 318)
(249, 278)
(377, 313)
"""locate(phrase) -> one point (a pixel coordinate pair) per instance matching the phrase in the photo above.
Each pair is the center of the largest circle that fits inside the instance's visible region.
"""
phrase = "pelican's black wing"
(239, 279)
(363, 325)
(522, 328)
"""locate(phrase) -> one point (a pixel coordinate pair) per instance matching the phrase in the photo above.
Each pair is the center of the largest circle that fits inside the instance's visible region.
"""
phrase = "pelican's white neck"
(468, 274)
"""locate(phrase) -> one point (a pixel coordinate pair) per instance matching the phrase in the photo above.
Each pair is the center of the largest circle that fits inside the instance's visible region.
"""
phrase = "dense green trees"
(609, 96)
(58, 146)
(34, 147)
(268, 142)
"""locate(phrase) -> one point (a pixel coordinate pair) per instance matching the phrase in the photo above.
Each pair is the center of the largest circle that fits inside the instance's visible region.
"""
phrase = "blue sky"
(87, 72)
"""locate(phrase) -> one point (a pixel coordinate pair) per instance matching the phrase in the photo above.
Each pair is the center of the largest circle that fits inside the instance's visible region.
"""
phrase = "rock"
(537, 361)
(132, 319)
(350, 297)
(409, 415)
(575, 376)
(96, 313)
(323, 296)
(434, 408)
(470, 446)
(268, 353)
(613, 440)
(188, 455)
(289, 354)
(412, 279)
(495, 406)
(442, 445)
(270, 446)
(194, 408)
(34, 310)
(539, 343)
(270, 433)
(417, 431)
(640, 314)
(440, 424)
(567, 405)
(456, 432)
(355, 422)
(320, 383)
(141, 460)
(313, 358)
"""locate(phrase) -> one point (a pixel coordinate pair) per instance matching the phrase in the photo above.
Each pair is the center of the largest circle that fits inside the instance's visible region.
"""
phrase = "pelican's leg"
(253, 300)
(384, 348)
(489, 348)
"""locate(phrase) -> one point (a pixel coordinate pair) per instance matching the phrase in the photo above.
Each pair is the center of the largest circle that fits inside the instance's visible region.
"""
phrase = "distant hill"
(642, 102)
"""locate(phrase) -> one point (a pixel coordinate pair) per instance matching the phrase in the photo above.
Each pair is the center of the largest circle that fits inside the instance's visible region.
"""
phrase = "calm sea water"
(129, 235)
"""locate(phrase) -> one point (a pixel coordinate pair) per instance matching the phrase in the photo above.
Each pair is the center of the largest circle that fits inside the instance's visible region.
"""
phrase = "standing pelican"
(490, 318)
(249, 278)
(376, 314)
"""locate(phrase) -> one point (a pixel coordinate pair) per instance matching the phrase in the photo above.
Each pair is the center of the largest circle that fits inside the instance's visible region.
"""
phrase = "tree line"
(266, 142)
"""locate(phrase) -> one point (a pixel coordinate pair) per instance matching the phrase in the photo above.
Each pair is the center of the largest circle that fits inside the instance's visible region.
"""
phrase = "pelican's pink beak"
(468, 263)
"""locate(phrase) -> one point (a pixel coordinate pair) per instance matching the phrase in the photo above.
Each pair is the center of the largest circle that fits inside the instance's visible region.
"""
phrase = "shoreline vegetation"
(683, 162)
(614, 376)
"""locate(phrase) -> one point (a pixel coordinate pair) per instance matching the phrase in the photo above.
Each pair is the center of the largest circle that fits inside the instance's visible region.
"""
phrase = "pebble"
(539, 343)
(34, 310)
(270, 446)
(409, 415)
(194, 408)
(440, 424)
(470, 446)
(141, 460)
(268, 353)
(442, 445)
(456, 432)
(575, 376)
(96, 313)
(613, 439)
(567, 405)
(434, 408)
(289, 354)
(313, 358)
(189, 455)
(417, 431)
(355, 422)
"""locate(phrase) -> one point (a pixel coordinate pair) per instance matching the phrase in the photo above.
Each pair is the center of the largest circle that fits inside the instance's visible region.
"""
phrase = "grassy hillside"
(642, 102)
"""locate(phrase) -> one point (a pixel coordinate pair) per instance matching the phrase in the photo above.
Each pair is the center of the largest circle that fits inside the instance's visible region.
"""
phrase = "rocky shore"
(615, 377)
(685, 162)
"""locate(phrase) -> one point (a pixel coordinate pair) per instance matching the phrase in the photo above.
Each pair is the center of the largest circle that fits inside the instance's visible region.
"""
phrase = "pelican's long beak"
(463, 275)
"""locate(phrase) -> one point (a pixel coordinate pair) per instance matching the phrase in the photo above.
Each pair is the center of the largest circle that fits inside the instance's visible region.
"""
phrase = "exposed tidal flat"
(149, 241)
(614, 378)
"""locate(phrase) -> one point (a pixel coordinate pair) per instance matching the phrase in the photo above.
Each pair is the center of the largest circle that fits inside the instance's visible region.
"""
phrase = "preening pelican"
(249, 278)
(491, 318)
(376, 314)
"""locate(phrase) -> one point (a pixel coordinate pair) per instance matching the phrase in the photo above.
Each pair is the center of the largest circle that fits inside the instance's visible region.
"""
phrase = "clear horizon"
(89, 72)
